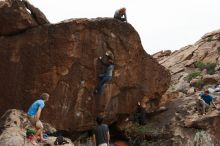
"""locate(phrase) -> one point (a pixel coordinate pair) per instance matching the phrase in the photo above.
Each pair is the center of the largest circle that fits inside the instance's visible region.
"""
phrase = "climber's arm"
(101, 60)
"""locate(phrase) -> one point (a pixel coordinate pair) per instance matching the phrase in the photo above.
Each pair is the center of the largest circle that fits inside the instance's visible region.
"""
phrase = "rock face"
(13, 126)
(206, 50)
(183, 62)
(186, 126)
(162, 54)
(61, 59)
(16, 18)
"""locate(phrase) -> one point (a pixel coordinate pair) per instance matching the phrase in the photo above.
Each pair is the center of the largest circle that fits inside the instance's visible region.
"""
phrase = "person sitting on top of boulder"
(107, 75)
(205, 102)
(34, 113)
(120, 13)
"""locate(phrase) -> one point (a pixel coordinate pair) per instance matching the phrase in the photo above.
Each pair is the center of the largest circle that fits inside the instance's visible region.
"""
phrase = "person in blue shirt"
(205, 101)
(121, 14)
(107, 75)
(34, 113)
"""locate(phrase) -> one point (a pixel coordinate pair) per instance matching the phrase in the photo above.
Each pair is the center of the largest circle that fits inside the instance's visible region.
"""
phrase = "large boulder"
(61, 59)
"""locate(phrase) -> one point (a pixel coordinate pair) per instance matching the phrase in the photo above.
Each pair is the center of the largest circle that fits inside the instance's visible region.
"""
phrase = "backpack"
(60, 141)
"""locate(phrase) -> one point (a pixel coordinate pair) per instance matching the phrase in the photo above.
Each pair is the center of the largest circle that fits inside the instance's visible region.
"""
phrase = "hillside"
(194, 69)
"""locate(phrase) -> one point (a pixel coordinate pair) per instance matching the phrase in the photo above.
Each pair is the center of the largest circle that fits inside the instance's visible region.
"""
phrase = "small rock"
(191, 91)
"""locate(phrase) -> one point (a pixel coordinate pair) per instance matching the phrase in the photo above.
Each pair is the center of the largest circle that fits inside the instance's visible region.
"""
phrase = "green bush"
(192, 76)
(218, 50)
(137, 134)
(199, 84)
(200, 65)
(210, 67)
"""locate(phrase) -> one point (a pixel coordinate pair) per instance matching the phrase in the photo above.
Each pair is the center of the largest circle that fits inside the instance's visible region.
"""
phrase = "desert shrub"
(210, 67)
(137, 133)
(199, 84)
(200, 65)
(192, 76)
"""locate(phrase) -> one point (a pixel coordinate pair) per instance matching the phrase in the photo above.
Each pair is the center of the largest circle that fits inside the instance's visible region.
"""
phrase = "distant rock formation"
(162, 54)
(61, 59)
(206, 50)
(194, 69)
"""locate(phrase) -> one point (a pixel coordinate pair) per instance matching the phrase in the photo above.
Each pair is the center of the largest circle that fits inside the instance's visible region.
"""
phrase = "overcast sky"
(161, 24)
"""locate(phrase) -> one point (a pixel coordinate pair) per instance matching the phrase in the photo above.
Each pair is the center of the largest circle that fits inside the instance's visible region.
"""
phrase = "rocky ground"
(13, 125)
(194, 69)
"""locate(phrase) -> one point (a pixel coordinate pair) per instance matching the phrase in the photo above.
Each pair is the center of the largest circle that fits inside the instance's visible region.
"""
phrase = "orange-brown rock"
(61, 59)
(16, 18)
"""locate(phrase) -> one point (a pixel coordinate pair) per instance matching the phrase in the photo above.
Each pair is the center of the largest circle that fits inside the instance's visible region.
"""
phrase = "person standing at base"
(139, 115)
(101, 134)
(34, 113)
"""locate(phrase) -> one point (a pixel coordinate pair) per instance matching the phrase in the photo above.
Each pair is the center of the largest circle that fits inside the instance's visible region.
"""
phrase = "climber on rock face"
(34, 113)
(107, 75)
(205, 101)
(120, 13)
